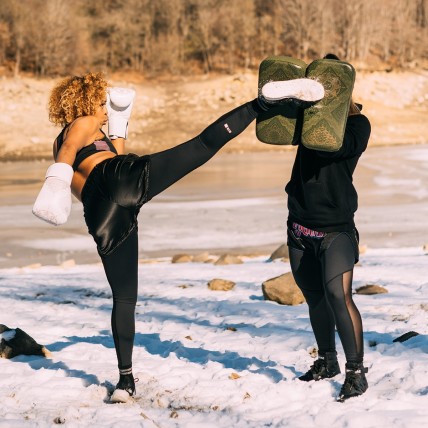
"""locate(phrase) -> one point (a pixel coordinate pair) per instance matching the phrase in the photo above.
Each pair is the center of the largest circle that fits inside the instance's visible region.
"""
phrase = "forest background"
(57, 37)
(201, 57)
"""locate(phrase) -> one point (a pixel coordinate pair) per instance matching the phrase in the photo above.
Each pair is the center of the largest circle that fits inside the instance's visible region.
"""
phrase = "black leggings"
(323, 268)
(113, 195)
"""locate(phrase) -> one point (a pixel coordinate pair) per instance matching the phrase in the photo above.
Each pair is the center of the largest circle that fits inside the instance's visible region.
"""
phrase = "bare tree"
(271, 25)
(178, 36)
(299, 21)
(245, 31)
(4, 41)
(205, 34)
(235, 33)
(18, 16)
(54, 50)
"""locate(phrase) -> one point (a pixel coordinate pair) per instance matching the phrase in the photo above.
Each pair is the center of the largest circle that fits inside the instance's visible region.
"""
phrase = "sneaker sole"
(307, 90)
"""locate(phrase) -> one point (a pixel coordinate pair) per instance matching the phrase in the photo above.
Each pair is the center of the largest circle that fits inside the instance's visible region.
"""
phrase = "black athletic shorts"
(112, 197)
(305, 239)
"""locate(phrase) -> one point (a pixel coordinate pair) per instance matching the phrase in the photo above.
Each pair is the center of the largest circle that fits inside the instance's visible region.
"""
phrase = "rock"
(147, 261)
(181, 258)
(201, 257)
(15, 342)
(68, 263)
(32, 266)
(371, 289)
(425, 248)
(280, 253)
(362, 249)
(234, 376)
(283, 290)
(217, 284)
(313, 352)
(228, 259)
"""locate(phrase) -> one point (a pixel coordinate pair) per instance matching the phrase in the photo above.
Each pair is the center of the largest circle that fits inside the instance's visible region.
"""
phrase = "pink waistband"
(302, 230)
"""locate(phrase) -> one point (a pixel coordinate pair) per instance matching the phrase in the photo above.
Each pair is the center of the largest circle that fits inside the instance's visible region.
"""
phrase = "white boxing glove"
(119, 107)
(53, 204)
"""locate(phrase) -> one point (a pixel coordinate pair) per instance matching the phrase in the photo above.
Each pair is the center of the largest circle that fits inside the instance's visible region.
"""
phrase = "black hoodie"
(321, 195)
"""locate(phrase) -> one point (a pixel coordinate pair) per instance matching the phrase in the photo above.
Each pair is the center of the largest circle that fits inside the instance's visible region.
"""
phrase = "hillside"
(169, 112)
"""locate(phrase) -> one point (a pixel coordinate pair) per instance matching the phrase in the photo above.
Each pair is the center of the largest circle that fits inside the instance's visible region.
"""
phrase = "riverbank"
(168, 112)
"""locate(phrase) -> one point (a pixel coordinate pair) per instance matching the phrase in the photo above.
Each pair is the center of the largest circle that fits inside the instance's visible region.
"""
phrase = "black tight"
(323, 268)
(113, 196)
(121, 268)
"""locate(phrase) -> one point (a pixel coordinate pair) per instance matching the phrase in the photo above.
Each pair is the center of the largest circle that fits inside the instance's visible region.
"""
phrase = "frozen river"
(234, 203)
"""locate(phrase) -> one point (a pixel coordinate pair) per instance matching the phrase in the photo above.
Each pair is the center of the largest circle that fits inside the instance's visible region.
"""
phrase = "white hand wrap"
(119, 107)
(53, 204)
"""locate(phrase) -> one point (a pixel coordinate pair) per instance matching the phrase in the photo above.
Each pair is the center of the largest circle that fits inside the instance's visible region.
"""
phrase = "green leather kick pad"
(324, 123)
(278, 125)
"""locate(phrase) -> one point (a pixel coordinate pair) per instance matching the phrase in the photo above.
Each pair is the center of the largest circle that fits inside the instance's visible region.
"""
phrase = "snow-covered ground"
(210, 358)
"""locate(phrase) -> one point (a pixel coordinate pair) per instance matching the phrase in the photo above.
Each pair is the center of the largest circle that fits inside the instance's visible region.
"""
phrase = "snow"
(186, 354)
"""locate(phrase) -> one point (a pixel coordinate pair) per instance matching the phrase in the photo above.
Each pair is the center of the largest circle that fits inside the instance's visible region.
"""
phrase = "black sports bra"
(103, 145)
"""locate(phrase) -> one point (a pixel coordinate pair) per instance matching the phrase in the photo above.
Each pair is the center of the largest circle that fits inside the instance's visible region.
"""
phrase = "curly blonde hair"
(76, 96)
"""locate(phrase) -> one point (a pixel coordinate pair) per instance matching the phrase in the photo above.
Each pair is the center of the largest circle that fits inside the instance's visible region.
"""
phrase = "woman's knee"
(312, 297)
(126, 300)
(338, 290)
(334, 293)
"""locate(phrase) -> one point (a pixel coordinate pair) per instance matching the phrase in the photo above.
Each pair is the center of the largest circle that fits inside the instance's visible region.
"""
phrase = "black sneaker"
(302, 92)
(355, 382)
(326, 366)
(125, 389)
